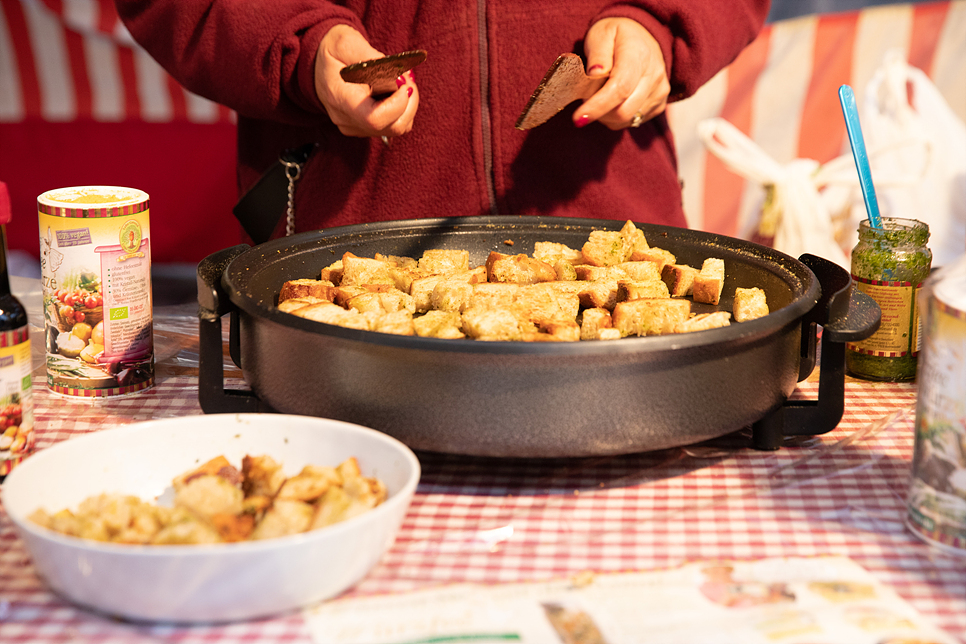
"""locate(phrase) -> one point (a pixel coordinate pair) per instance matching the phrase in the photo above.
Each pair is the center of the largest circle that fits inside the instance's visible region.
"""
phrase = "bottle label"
(16, 399)
(898, 334)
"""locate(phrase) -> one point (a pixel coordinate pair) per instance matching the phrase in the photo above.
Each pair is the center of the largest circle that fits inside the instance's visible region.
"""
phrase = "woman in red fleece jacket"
(454, 148)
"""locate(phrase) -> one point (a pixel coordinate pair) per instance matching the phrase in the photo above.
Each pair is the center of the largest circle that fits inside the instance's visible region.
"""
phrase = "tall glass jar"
(890, 264)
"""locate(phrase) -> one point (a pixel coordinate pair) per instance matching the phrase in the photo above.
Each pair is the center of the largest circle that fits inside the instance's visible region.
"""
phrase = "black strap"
(260, 208)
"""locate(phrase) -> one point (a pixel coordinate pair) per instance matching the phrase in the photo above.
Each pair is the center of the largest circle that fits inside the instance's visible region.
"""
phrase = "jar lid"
(92, 201)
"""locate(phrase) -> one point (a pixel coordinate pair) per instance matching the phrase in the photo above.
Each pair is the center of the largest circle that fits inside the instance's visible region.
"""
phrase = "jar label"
(96, 274)
(898, 334)
(16, 400)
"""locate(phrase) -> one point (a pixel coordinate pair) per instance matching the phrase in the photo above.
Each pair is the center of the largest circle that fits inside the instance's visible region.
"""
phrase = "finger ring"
(637, 120)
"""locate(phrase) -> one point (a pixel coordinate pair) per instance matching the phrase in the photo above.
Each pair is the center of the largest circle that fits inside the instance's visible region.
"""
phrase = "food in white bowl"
(219, 503)
(207, 582)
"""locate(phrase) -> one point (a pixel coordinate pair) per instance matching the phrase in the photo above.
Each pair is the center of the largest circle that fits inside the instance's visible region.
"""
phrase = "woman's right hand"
(350, 105)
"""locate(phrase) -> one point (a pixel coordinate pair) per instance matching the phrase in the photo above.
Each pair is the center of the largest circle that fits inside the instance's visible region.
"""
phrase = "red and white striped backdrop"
(71, 60)
(782, 92)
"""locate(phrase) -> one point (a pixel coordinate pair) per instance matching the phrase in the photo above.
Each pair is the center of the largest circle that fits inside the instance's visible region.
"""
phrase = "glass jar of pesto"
(890, 264)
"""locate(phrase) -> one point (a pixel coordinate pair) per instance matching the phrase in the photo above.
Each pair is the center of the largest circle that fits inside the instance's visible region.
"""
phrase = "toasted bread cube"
(397, 261)
(494, 295)
(552, 252)
(634, 237)
(704, 321)
(286, 516)
(641, 271)
(305, 288)
(605, 248)
(208, 495)
(363, 270)
(332, 273)
(749, 304)
(218, 466)
(349, 468)
(331, 508)
(334, 314)
(310, 483)
(423, 287)
(634, 290)
(657, 256)
(263, 476)
(440, 261)
(551, 301)
(517, 269)
(439, 324)
(451, 295)
(184, 528)
(565, 271)
(341, 295)
(709, 282)
(256, 505)
(592, 321)
(403, 277)
(233, 527)
(599, 294)
(339, 504)
(294, 304)
(382, 302)
(422, 292)
(394, 322)
(650, 317)
(679, 278)
(588, 273)
(609, 334)
(496, 324)
(560, 330)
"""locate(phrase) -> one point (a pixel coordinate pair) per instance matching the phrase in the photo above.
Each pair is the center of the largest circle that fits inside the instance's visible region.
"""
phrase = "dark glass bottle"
(16, 399)
(890, 264)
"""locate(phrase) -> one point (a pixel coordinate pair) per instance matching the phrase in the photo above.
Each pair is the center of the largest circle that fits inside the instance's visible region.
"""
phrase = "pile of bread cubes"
(615, 286)
(218, 503)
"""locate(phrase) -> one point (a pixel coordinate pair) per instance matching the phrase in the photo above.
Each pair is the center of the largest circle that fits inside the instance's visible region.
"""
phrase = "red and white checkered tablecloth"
(499, 520)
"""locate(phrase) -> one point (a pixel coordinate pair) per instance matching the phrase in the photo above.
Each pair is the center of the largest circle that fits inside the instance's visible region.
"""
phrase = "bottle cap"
(4, 204)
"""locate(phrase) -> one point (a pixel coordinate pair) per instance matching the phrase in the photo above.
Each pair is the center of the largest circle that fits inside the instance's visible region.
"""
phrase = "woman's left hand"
(637, 88)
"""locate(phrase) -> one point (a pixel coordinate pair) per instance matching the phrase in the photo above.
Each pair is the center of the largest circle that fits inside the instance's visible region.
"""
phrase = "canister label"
(898, 334)
(937, 494)
(16, 399)
(96, 272)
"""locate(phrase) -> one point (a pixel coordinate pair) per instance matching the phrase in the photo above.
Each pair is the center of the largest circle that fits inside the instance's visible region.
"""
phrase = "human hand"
(638, 86)
(350, 105)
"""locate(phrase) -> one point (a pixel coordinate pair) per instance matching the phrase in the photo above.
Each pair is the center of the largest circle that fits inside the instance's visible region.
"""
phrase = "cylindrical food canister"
(937, 494)
(95, 259)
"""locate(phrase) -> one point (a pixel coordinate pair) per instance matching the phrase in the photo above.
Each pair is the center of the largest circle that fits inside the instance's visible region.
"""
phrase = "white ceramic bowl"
(206, 583)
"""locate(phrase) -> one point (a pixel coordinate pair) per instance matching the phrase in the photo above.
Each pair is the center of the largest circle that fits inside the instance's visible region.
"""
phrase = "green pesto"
(897, 252)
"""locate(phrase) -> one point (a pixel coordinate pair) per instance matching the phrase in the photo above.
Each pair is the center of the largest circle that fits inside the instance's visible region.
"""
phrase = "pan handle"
(845, 315)
(213, 304)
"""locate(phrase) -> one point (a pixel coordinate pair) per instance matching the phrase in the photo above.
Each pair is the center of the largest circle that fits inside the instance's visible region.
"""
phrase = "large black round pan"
(517, 399)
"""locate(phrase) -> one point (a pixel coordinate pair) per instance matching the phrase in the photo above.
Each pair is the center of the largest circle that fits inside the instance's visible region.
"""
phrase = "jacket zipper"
(485, 107)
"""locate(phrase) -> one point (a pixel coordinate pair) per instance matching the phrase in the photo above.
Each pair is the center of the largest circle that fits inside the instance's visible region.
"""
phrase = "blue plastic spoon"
(851, 114)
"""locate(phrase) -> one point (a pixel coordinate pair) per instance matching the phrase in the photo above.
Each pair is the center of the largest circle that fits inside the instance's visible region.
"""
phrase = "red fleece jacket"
(463, 156)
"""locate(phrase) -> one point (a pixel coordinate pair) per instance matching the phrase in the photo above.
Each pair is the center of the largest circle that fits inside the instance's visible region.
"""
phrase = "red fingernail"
(412, 76)
(582, 120)
(400, 81)
(595, 69)
(409, 91)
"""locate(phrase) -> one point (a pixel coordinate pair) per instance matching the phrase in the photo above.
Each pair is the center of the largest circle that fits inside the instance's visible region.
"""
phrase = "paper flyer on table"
(816, 600)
